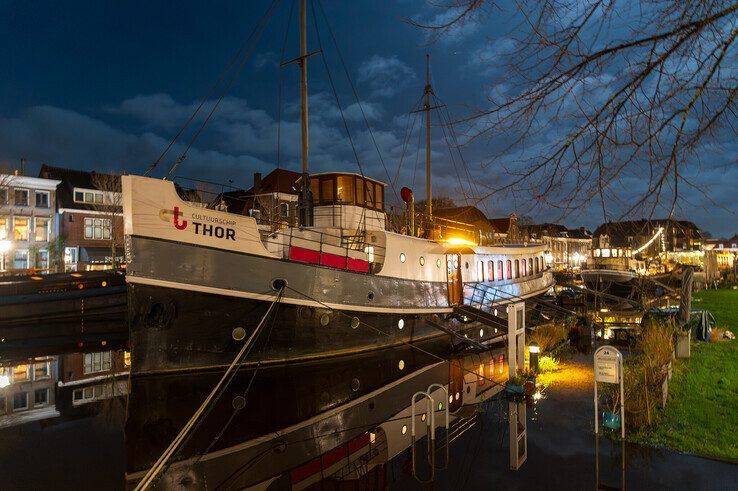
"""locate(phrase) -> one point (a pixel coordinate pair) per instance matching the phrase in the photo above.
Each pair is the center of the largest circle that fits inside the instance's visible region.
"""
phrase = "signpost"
(608, 369)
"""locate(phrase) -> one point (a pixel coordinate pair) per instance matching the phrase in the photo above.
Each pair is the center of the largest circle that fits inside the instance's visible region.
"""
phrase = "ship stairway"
(480, 315)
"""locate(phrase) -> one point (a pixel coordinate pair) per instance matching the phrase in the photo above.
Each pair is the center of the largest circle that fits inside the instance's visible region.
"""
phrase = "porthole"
(422, 418)
(438, 263)
(468, 389)
(466, 265)
(401, 365)
(355, 384)
(422, 261)
(450, 399)
(239, 402)
(238, 333)
(325, 319)
(370, 296)
(404, 429)
(354, 322)
(457, 396)
(440, 406)
(481, 333)
(402, 257)
(400, 323)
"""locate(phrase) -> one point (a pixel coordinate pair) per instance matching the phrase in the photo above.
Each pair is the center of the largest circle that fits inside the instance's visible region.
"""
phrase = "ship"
(613, 270)
(203, 281)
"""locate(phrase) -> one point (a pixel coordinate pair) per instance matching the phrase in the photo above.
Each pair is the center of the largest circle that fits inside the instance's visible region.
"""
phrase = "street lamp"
(534, 349)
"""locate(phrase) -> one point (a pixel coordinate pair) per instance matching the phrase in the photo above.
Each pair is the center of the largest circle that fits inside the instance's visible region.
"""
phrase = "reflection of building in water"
(92, 377)
(27, 391)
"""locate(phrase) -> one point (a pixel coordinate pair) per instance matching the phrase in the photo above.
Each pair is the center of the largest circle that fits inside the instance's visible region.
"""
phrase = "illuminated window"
(421, 261)
(41, 370)
(127, 359)
(345, 189)
(360, 192)
(491, 270)
(597, 253)
(517, 268)
(509, 269)
(42, 229)
(20, 373)
(524, 268)
(4, 228)
(605, 252)
(20, 228)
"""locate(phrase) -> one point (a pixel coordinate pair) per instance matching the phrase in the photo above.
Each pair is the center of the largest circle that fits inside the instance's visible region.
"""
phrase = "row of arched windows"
(510, 269)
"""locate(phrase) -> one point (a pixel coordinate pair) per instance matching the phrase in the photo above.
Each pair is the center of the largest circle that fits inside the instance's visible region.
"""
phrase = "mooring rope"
(162, 461)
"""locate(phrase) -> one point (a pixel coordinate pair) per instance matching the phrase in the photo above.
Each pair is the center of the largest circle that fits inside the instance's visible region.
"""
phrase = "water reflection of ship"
(299, 424)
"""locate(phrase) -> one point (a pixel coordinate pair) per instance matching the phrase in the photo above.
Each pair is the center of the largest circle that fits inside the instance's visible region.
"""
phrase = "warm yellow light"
(459, 241)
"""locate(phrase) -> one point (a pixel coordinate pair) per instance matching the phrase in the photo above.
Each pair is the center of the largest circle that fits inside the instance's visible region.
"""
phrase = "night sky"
(106, 85)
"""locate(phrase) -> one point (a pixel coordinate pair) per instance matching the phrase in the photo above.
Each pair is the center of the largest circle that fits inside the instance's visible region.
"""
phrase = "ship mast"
(305, 202)
(427, 108)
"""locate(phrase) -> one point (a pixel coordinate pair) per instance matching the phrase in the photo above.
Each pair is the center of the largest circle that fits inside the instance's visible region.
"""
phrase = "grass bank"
(701, 416)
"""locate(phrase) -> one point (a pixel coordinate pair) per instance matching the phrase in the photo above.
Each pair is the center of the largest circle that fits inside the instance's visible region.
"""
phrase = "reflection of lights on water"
(537, 396)
(4, 381)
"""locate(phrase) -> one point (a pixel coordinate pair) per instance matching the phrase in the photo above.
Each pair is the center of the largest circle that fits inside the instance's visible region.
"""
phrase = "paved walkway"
(561, 450)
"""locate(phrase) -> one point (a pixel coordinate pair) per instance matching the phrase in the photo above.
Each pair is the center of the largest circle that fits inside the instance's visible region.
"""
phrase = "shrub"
(548, 336)
(547, 364)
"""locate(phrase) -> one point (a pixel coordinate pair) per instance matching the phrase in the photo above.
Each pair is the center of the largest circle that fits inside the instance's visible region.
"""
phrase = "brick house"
(89, 218)
(27, 225)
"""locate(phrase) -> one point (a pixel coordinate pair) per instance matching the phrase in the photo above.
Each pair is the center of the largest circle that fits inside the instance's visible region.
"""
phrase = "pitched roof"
(466, 214)
(501, 225)
(278, 181)
(620, 231)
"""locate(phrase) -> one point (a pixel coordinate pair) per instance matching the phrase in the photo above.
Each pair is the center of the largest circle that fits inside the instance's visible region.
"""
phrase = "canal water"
(71, 417)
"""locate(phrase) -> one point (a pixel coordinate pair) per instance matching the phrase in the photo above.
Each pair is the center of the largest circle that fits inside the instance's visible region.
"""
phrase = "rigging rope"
(258, 31)
(203, 101)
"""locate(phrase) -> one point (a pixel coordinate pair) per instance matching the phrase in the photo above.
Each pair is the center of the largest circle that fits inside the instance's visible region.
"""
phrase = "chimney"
(23, 167)
(257, 182)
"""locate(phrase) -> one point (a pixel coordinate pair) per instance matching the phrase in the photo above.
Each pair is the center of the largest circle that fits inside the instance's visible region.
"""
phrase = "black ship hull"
(179, 330)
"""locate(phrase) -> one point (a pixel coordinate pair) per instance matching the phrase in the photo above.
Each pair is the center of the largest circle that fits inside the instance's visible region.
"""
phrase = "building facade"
(27, 391)
(27, 226)
(89, 218)
(568, 248)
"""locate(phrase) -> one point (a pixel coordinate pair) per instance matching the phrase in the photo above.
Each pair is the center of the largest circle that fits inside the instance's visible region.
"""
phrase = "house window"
(20, 401)
(97, 228)
(42, 199)
(3, 198)
(4, 228)
(40, 397)
(21, 197)
(20, 228)
(97, 362)
(20, 260)
(20, 373)
(43, 260)
(41, 370)
(42, 229)
(509, 269)
(90, 197)
(284, 210)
